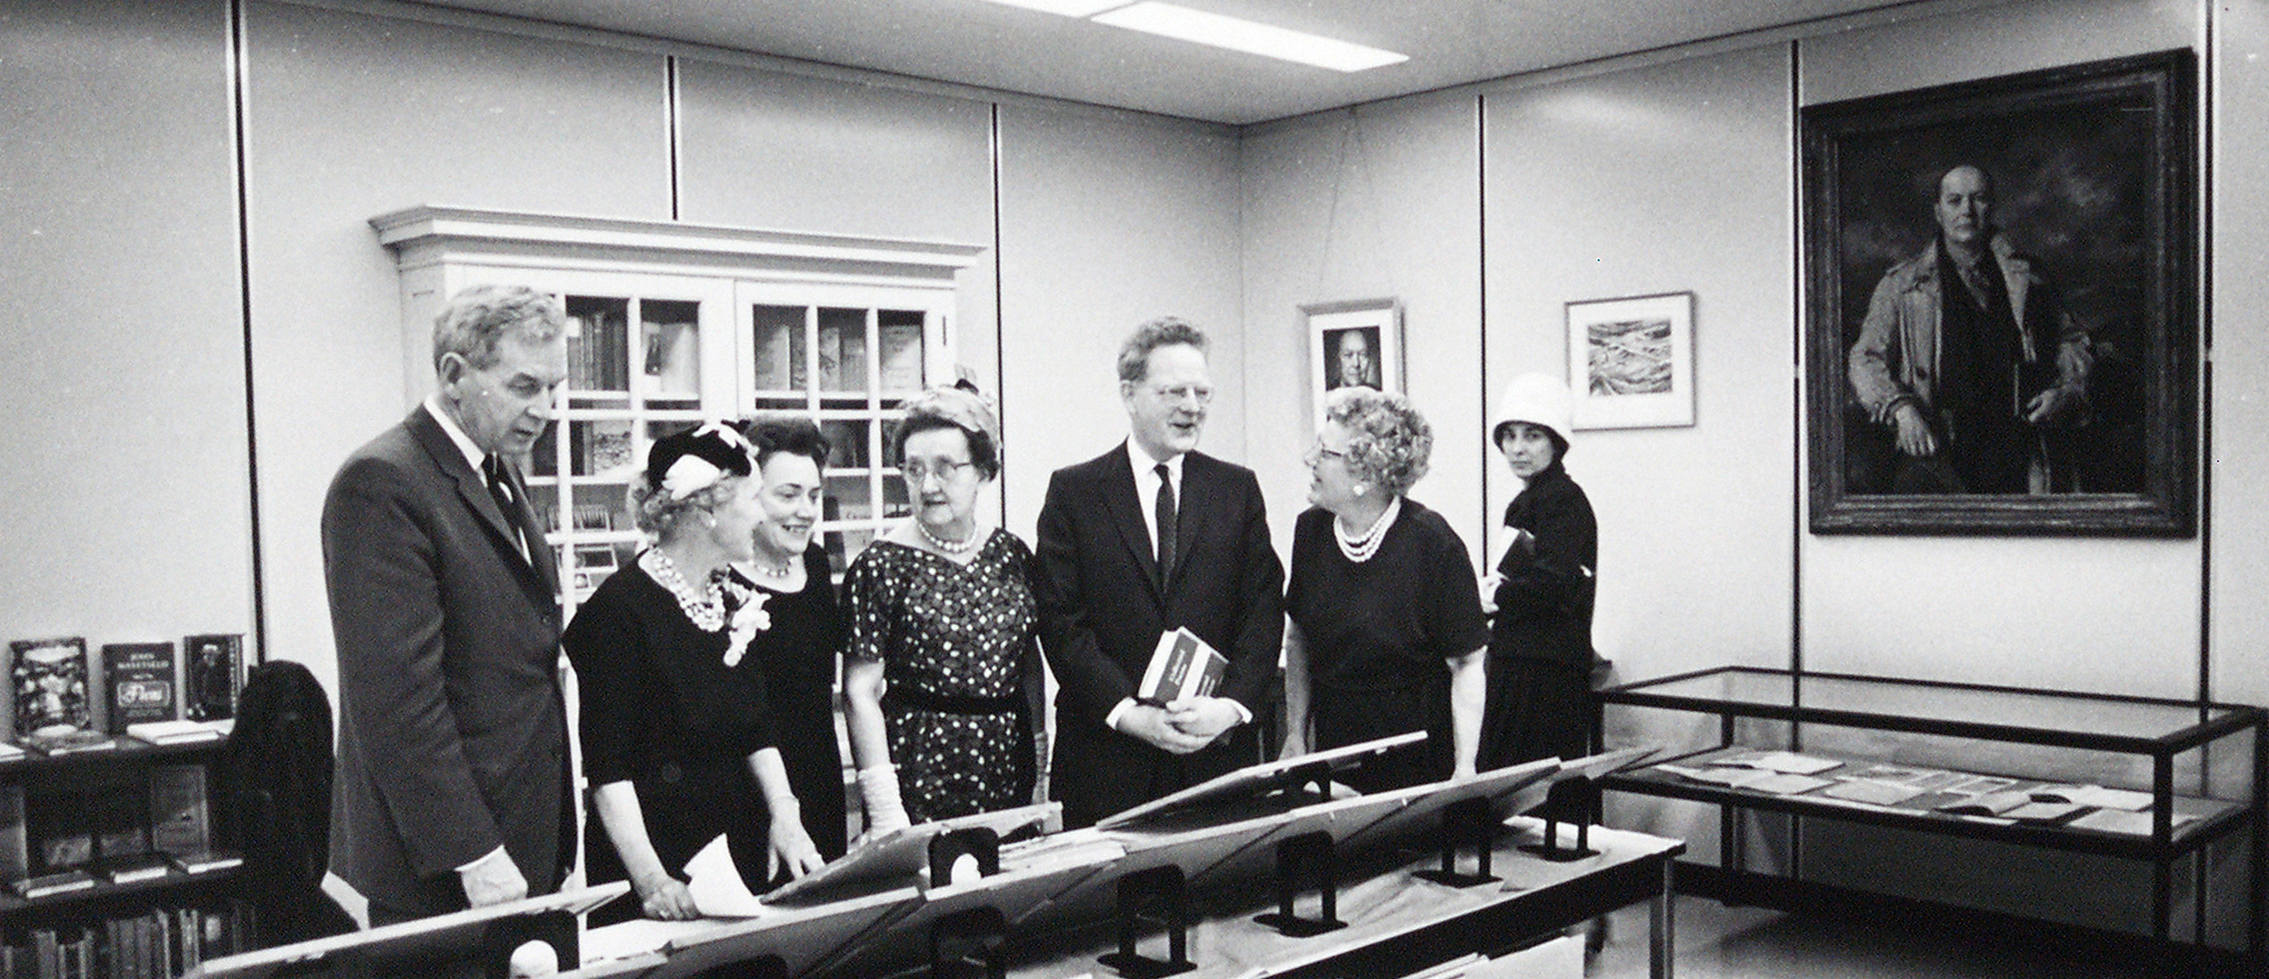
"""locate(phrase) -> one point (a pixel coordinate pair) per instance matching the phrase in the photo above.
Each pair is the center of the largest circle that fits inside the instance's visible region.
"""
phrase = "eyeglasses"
(1317, 453)
(917, 471)
(1186, 392)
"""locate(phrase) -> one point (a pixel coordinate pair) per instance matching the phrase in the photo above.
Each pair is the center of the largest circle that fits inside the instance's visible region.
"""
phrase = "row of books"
(159, 944)
(126, 870)
(598, 358)
(135, 823)
(842, 356)
(142, 683)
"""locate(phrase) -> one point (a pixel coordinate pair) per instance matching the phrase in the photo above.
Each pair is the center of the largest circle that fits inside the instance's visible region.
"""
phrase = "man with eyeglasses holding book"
(1146, 538)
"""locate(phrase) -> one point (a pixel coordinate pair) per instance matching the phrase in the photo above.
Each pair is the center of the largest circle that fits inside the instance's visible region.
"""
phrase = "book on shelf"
(140, 682)
(10, 751)
(15, 846)
(135, 869)
(50, 680)
(59, 882)
(1182, 666)
(212, 675)
(117, 812)
(61, 834)
(901, 356)
(205, 861)
(180, 816)
(69, 742)
(180, 732)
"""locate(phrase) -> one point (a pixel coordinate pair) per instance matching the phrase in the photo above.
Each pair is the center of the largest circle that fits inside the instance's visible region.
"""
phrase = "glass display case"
(2133, 778)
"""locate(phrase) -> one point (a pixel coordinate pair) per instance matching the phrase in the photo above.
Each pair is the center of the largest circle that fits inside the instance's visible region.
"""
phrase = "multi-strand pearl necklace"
(706, 610)
(948, 546)
(1360, 547)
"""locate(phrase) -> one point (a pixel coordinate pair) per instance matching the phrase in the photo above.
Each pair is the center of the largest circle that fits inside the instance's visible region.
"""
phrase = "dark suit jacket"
(1102, 609)
(452, 730)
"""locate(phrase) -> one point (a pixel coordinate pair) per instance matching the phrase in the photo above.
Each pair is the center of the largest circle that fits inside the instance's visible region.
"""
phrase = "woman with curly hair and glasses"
(1386, 634)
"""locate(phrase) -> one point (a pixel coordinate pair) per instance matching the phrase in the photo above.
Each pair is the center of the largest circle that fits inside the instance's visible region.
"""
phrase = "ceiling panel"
(1450, 42)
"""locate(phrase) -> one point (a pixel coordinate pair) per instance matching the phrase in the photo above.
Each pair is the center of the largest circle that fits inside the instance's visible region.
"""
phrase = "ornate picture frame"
(2057, 397)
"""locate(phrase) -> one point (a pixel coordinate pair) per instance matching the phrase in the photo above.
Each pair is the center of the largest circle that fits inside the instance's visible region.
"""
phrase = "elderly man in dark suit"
(1147, 537)
(452, 785)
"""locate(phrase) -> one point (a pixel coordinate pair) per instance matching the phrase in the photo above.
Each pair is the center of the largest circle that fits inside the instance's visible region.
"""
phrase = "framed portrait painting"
(2001, 326)
(1631, 361)
(1357, 343)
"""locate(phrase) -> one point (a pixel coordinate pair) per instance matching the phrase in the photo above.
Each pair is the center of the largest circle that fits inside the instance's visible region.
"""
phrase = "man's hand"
(1203, 717)
(494, 880)
(1489, 585)
(2052, 405)
(1149, 724)
(1914, 433)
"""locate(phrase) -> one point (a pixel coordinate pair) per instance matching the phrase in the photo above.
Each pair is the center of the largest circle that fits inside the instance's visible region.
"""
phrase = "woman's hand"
(1489, 585)
(792, 847)
(665, 897)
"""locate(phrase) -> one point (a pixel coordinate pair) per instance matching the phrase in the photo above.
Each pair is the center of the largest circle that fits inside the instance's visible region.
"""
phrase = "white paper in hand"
(716, 885)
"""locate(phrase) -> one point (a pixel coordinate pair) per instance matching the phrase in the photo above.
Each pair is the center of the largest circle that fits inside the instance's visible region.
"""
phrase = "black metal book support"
(1466, 822)
(954, 855)
(1571, 800)
(1311, 855)
(1155, 896)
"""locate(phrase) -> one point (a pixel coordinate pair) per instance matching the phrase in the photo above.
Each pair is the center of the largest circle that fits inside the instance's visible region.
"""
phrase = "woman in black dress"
(1541, 593)
(678, 738)
(941, 664)
(798, 652)
(1386, 630)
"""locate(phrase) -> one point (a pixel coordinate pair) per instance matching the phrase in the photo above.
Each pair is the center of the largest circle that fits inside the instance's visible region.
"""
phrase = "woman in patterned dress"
(941, 661)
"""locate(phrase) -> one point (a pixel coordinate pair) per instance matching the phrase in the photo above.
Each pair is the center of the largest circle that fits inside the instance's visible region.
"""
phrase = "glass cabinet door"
(637, 370)
(847, 358)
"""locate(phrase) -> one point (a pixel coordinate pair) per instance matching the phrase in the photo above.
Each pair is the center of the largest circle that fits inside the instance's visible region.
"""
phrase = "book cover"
(15, 847)
(50, 677)
(180, 818)
(135, 869)
(179, 732)
(212, 675)
(1182, 666)
(60, 882)
(61, 835)
(117, 813)
(206, 862)
(139, 677)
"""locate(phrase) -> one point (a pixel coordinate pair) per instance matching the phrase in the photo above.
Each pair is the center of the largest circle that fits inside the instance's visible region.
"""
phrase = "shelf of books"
(108, 836)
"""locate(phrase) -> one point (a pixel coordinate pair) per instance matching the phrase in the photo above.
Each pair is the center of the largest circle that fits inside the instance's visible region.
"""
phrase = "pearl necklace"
(1360, 548)
(948, 546)
(706, 611)
(782, 571)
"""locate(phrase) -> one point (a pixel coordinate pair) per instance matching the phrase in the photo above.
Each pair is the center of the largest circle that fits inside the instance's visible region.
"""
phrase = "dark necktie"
(1165, 521)
(501, 488)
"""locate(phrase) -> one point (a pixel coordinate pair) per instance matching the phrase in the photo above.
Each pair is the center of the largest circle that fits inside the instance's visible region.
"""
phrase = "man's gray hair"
(476, 318)
(1165, 331)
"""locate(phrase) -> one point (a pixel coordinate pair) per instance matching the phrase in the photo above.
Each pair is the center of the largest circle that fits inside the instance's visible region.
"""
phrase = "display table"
(1396, 923)
(2165, 778)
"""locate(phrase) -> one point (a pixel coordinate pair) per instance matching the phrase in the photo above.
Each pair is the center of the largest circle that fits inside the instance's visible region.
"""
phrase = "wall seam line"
(239, 109)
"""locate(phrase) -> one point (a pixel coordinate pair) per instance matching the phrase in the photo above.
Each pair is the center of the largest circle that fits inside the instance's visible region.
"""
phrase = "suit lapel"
(1194, 509)
(473, 489)
(534, 531)
(1120, 499)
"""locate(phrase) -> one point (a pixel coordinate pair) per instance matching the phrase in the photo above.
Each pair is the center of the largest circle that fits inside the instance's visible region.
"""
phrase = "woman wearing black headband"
(678, 737)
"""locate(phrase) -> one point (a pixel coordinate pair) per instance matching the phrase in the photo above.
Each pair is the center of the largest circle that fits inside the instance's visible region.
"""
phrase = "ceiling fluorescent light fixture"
(1182, 23)
(1067, 8)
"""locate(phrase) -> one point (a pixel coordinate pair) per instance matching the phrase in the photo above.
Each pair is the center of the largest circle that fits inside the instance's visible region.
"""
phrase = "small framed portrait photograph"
(2001, 321)
(1631, 361)
(1357, 343)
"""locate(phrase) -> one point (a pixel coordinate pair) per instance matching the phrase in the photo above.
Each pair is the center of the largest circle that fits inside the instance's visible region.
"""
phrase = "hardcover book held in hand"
(212, 674)
(50, 677)
(140, 678)
(1182, 666)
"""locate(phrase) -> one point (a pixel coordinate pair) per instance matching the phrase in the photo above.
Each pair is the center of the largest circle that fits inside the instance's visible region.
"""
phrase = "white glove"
(878, 785)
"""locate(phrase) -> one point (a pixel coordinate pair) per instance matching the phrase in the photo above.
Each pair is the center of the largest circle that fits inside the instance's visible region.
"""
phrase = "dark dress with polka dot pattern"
(959, 651)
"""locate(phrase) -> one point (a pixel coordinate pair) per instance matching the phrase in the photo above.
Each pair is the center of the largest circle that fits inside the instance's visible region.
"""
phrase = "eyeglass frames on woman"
(916, 471)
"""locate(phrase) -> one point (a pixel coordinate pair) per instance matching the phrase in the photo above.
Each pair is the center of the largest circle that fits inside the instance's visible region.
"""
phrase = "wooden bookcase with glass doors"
(672, 325)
